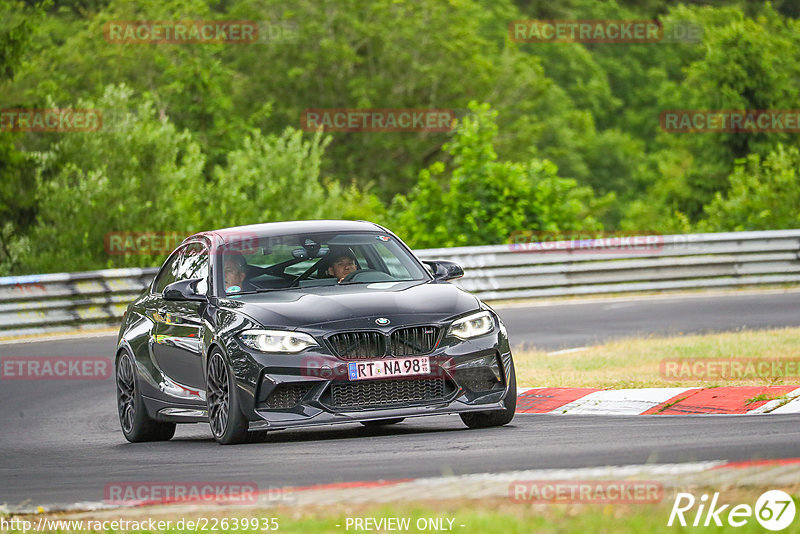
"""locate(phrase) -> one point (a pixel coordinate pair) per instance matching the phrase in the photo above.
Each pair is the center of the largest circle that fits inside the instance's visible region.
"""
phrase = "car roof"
(291, 227)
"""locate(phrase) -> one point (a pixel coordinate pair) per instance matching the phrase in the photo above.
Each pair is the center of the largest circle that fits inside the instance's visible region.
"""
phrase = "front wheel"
(136, 425)
(496, 417)
(228, 424)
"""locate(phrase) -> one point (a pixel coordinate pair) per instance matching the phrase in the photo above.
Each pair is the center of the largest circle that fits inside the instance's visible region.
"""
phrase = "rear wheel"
(496, 417)
(382, 422)
(228, 424)
(136, 425)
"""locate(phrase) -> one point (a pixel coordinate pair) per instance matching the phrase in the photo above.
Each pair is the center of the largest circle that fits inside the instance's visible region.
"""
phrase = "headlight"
(474, 325)
(277, 340)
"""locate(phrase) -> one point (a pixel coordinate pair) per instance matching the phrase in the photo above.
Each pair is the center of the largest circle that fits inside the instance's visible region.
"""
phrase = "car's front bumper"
(329, 418)
(288, 391)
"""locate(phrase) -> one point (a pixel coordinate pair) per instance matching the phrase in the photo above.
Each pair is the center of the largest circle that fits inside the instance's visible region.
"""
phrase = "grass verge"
(636, 362)
(464, 516)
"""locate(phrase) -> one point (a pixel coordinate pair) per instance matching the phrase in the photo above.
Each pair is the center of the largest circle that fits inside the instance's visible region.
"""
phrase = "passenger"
(235, 274)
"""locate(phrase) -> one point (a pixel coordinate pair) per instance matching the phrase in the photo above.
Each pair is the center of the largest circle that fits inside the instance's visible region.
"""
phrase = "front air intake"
(358, 345)
(413, 341)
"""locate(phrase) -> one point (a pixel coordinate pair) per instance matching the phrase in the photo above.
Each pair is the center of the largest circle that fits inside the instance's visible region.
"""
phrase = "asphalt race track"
(60, 440)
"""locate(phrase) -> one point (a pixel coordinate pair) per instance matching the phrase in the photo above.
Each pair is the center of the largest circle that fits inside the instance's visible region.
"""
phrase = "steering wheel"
(352, 276)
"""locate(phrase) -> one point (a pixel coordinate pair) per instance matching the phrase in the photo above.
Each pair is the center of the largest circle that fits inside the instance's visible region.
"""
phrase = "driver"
(341, 264)
(235, 273)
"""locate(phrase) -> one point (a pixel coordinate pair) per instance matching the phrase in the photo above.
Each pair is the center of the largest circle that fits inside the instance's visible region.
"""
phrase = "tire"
(382, 422)
(136, 425)
(228, 424)
(495, 417)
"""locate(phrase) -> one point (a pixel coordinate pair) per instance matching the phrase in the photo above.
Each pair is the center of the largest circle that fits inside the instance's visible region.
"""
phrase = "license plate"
(388, 368)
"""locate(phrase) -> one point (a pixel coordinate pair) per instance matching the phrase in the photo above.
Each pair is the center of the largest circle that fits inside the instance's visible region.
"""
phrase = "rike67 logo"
(774, 510)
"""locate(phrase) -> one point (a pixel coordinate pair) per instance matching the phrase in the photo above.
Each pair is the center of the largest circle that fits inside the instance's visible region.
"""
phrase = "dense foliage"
(550, 136)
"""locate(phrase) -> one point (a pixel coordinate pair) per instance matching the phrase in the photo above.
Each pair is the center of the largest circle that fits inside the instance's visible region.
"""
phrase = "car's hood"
(357, 305)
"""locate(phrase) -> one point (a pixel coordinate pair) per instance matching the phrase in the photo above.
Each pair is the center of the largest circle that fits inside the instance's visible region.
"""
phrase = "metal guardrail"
(36, 304)
(40, 303)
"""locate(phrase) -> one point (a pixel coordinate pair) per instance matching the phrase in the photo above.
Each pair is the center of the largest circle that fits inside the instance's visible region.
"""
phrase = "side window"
(195, 265)
(190, 262)
(169, 273)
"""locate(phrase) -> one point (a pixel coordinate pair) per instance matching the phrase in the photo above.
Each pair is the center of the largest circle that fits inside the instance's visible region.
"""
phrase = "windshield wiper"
(255, 291)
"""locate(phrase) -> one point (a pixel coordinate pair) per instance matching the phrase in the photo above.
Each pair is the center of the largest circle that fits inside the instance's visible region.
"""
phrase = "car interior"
(304, 261)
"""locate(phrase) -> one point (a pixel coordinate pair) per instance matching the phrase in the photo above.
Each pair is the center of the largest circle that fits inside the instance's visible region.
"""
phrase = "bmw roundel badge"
(383, 321)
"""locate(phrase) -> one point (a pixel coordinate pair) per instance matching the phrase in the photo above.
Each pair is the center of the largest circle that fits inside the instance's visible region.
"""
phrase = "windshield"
(310, 260)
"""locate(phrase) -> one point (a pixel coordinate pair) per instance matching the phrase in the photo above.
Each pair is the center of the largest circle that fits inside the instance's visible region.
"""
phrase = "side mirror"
(445, 270)
(184, 290)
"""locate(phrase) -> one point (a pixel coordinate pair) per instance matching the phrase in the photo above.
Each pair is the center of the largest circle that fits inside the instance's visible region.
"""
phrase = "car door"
(178, 326)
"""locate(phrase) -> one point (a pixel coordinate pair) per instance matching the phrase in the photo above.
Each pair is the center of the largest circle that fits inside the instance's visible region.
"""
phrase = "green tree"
(72, 59)
(276, 178)
(482, 201)
(384, 54)
(763, 194)
(579, 110)
(748, 64)
(17, 198)
(139, 174)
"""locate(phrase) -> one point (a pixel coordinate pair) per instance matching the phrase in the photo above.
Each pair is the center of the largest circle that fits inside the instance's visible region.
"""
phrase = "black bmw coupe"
(292, 324)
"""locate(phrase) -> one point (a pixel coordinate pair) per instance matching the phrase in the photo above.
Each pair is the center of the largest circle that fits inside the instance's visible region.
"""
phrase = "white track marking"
(619, 401)
(792, 406)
